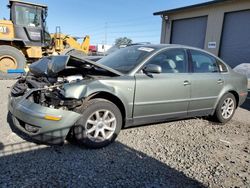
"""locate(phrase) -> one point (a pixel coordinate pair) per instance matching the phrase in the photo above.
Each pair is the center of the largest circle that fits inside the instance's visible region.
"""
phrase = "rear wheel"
(99, 125)
(10, 58)
(226, 108)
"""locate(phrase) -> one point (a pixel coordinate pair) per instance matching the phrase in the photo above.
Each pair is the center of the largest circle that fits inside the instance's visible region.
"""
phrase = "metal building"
(220, 26)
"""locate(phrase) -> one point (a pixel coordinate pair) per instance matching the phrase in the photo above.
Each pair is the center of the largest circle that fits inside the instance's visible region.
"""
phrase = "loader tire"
(10, 58)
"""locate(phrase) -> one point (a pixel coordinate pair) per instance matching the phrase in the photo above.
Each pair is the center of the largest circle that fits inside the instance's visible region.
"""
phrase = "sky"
(105, 21)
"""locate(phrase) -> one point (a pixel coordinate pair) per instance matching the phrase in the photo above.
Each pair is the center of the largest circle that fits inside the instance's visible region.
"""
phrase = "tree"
(123, 41)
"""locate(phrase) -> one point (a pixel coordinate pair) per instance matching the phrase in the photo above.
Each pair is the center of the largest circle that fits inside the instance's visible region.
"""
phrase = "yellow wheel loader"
(65, 44)
(24, 38)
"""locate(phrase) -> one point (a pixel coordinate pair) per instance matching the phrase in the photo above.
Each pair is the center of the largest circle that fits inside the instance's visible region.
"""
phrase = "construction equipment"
(62, 43)
(24, 38)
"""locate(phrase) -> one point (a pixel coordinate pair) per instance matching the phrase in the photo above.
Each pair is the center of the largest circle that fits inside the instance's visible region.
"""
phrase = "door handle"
(186, 82)
(220, 81)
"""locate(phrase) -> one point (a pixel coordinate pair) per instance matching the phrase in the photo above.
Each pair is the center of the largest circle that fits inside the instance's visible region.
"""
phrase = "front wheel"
(99, 125)
(226, 108)
(10, 58)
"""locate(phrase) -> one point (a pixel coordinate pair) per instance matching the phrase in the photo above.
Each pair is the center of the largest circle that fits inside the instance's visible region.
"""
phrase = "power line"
(140, 28)
(135, 31)
(134, 25)
(122, 24)
(144, 31)
(129, 35)
(133, 19)
(153, 39)
(125, 28)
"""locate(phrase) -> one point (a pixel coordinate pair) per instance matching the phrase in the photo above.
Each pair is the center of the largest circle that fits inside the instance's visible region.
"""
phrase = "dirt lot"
(187, 153)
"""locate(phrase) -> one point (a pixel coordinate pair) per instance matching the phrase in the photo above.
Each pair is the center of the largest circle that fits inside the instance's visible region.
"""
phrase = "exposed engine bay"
(49, 76)
(48, 92)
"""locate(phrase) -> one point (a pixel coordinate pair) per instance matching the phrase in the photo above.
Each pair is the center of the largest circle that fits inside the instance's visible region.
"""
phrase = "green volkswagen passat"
(73, 97)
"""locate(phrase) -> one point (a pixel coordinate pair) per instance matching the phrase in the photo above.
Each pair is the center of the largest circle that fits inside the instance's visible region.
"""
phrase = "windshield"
(126, 59)
(28, 16)
(112, 49)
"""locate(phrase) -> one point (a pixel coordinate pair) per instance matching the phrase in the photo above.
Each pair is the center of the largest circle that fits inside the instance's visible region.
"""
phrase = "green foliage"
(123, 41)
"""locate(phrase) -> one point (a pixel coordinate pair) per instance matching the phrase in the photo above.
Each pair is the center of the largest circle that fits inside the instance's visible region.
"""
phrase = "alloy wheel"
(227, 108)
(100, 125)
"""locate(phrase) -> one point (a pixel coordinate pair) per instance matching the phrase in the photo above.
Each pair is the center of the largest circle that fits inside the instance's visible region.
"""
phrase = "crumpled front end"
(43, 103)
(45, 124)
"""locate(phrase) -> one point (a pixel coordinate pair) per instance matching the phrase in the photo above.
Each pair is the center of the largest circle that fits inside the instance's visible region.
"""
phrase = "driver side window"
(171, 61)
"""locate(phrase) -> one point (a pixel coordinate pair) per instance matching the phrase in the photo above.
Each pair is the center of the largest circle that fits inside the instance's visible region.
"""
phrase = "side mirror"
(152, 68)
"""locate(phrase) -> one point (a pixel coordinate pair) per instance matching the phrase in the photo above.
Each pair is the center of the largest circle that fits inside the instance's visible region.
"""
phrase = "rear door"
(206, 82)
(164, 94)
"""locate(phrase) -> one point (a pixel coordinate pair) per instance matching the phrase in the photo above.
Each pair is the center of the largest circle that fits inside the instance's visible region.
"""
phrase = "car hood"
(51, 65)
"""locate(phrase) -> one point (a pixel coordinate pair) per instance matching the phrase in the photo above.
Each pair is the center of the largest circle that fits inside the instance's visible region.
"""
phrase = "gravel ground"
(187, 153)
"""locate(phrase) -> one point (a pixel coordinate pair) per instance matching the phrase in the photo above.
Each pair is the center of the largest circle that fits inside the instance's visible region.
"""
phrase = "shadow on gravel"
(26, 164)
(69, 166)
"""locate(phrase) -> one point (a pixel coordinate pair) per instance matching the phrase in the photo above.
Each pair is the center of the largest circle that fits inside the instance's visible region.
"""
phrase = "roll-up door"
(235, 41)
(191, 31)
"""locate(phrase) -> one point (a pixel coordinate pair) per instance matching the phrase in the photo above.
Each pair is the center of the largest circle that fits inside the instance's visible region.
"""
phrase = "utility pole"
(106, 35)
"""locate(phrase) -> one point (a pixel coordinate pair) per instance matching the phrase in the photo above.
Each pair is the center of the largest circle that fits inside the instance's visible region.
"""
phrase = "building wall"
(215, 20)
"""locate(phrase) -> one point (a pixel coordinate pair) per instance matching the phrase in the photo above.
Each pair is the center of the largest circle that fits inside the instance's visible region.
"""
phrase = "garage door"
(235, 41)
(191, 32)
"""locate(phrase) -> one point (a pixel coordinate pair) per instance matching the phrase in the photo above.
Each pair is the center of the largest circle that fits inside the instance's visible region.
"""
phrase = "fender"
(86, 89)
(226, 89)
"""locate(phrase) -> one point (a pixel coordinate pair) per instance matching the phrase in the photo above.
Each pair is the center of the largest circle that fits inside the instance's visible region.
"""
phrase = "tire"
(228, 103)
(94, 132)
(13, 59)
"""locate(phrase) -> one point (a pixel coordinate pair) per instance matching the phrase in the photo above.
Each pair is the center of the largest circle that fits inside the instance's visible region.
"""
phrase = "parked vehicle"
(140, 84)
(243, 68)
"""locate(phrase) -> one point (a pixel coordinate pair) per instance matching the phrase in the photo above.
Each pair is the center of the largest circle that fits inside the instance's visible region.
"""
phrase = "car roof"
(161, 46)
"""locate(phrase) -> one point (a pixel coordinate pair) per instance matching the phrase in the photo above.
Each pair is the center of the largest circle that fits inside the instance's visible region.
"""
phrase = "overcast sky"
(118, 18)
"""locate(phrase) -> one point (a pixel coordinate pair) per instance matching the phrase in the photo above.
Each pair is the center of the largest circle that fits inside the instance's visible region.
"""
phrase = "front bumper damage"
(43, 124)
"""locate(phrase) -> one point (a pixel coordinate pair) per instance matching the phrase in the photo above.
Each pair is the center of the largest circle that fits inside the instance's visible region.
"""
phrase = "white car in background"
(243, 68)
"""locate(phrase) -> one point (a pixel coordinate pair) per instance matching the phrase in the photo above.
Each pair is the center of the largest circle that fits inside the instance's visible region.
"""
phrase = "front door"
(166, 94)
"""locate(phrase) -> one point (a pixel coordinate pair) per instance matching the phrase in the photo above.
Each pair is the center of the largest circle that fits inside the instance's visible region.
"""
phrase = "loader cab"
(29, 21)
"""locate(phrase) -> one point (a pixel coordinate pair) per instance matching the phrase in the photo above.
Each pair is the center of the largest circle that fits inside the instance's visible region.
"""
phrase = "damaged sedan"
(73, 97)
